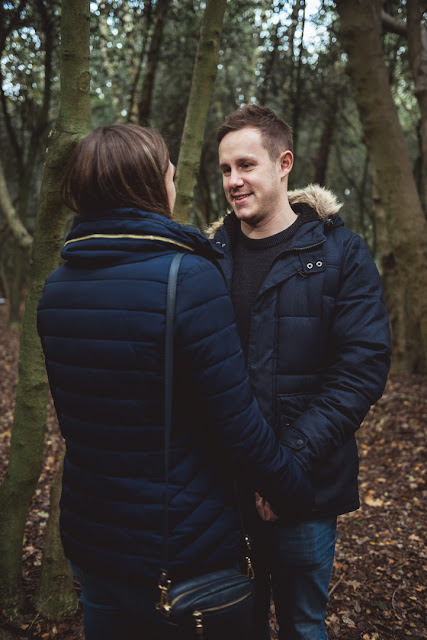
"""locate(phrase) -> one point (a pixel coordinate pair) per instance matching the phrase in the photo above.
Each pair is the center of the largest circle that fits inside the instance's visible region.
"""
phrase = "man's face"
(252, 181)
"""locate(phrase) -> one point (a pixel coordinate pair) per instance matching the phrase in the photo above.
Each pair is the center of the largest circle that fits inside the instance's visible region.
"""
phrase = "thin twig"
(330, 592)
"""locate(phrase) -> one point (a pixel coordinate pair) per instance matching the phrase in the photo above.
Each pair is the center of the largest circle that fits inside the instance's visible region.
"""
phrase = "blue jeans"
(296, 563)
(114, 610)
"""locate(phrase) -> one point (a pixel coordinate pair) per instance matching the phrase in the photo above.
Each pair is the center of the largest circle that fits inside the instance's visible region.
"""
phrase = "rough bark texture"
(28, 430)
(407, 227)
(204, 75)
(55, 596)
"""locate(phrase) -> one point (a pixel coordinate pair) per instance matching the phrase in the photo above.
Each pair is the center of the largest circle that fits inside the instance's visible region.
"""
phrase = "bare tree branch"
(393, 25)
(20, 233)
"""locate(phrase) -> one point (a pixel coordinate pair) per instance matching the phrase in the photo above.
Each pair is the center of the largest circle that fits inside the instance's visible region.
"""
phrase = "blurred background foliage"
(285, 54)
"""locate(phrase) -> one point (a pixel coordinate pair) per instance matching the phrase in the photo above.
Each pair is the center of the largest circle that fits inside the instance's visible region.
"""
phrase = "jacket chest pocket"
(301, 295)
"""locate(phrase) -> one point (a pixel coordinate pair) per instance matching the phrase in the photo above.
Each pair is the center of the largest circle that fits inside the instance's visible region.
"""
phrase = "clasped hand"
(264, 509)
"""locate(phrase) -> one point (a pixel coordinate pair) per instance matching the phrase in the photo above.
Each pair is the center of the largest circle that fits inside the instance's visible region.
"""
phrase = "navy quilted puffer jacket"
(101, 319)
(319, 345)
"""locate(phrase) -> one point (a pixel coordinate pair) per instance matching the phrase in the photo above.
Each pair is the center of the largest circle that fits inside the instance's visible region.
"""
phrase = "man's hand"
(264, 509)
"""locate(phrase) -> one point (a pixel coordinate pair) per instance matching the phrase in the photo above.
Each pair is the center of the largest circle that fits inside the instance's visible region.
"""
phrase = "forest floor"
(378, 589)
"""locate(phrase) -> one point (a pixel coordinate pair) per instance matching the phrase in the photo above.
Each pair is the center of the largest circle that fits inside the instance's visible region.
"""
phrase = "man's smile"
(240, 197)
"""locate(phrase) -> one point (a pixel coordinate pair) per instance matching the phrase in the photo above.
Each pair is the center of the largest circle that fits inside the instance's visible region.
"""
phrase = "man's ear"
(286, 159)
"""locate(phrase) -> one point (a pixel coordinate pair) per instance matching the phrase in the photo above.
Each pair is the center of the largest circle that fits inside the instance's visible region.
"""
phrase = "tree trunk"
(20, 263)
(19, 231)
(269, 59)
(20, 255)
(27, 167)
(405, 352)
(152, 61)
(417, 48)
(55, 596)
(137, 59)
(297, 87)
(407, 227)
(327, 137)
(27, 442)
(111, 65)
(204, 74)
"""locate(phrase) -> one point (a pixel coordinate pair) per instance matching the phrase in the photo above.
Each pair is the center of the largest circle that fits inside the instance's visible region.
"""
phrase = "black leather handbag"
(216, 605)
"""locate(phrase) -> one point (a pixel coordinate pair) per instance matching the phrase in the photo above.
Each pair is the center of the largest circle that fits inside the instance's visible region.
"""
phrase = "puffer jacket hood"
(113, 234)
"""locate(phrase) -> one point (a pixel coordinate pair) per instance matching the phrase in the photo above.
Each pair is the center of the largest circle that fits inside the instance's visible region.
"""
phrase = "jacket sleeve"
(359, 361)
(207, 341)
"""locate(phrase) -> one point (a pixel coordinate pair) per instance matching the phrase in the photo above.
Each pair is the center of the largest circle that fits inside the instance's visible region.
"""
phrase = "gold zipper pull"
(198, 619)
(164, 585)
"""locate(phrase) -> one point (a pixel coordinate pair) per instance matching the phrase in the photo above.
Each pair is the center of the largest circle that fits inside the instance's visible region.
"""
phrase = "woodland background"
(350, 76)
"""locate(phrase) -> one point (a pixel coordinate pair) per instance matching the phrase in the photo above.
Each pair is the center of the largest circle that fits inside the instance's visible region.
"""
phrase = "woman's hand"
(264, 510)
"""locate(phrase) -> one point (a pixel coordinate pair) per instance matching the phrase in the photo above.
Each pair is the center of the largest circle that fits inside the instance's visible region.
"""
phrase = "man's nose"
(235, 179)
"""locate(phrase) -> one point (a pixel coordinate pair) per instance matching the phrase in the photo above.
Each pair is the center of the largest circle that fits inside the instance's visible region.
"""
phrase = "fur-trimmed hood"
(323, 201)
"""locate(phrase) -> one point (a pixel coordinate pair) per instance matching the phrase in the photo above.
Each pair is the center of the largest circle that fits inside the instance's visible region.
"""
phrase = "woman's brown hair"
(121, 165)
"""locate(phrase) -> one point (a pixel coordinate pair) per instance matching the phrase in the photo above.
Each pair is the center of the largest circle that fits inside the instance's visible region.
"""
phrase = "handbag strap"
(164, 583)
(168, 375)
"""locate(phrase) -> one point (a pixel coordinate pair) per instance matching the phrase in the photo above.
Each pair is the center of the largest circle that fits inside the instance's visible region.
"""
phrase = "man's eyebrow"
(246, 158)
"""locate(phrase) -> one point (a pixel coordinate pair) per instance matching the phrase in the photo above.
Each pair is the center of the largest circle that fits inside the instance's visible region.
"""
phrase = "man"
(314, 328)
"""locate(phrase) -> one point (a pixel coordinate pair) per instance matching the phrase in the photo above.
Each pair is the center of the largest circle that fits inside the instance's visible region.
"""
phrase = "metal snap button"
(309, 265)
(299, 442)
(319, 263)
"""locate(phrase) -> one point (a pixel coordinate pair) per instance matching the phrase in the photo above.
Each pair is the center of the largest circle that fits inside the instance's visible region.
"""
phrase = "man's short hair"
(276, 133)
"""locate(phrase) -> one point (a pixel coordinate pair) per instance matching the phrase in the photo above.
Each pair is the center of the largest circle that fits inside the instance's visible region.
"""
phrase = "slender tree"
(204, 75)
(27, 442)
(28, 146)
(22, 237)
(415, 32)
(152, 62)
(407, 227)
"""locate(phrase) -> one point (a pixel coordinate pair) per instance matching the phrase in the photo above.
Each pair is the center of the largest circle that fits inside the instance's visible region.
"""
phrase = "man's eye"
(226, 172)
(246, 165)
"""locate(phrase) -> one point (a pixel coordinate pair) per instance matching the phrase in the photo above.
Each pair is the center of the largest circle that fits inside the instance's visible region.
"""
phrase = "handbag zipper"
(198, 619)
(229, 604)
(186, 593)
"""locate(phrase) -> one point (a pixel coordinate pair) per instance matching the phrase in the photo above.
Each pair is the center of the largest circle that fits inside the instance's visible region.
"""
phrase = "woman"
(101, 319)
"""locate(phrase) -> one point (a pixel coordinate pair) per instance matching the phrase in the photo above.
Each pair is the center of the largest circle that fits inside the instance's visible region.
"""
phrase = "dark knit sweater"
(252, 260)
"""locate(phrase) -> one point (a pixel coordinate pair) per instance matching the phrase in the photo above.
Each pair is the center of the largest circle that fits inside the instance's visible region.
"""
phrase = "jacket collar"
(117, 234)
(320, 200)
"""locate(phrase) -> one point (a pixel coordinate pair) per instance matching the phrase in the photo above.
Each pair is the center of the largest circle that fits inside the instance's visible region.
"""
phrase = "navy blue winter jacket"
(101, 319)
(319, 346)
